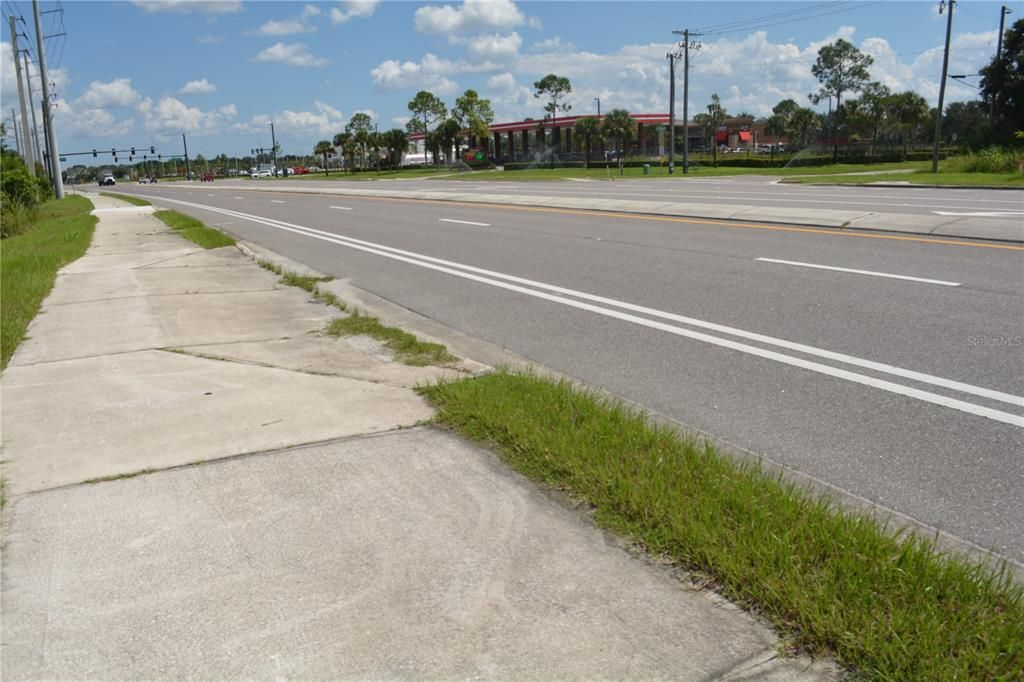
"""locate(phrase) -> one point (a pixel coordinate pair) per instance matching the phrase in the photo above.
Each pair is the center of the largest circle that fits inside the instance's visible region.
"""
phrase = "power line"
(767, 17)
(755, 23)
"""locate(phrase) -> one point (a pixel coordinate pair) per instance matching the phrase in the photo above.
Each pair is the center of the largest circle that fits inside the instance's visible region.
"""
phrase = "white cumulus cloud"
(353, 9)
(294, 54)
(470, 17)
(200, 87)
(297, 24)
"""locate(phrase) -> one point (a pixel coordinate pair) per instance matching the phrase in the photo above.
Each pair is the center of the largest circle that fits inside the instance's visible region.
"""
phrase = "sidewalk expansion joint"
(183, 350)
(177, 293)
(12, 499)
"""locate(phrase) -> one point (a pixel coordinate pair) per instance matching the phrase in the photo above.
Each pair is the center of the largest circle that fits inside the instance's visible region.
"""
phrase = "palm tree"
(397, 142)
(451, 136)
(323, 148)
(908, 110)
(341, 141)
(620, 125)
(589, 130)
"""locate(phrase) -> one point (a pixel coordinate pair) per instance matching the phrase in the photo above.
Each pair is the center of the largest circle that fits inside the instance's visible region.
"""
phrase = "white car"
(265, 173)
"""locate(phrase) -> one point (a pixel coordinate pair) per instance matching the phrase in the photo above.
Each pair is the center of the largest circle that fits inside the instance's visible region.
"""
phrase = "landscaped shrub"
(19, 195)
(990, 160)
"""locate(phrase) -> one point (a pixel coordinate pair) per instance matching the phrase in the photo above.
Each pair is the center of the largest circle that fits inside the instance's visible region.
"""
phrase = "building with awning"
(529, 139)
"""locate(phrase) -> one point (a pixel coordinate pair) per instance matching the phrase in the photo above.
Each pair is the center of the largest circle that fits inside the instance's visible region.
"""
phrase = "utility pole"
(942, 86)
(671, 112)
(188, 171)
(999, 61)
(51, 135)
(686, 93)
(14, 122)
(273, 148)
(27, 146)
(31, 108)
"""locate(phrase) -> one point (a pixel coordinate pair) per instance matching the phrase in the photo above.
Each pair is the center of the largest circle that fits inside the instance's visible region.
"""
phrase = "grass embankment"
(125, 197)
(60, 234)
(194, 230)
(886, 604)
(405, 347)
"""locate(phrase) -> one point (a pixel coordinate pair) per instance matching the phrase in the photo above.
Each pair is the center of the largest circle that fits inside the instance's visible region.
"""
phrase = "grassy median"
(194, 230)
(887, 604)
(59, 235)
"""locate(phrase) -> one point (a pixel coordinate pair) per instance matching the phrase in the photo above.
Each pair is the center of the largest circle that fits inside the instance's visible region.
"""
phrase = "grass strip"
(886, 603)
(406, 347)
(194, 230)
(59, 235)
(125, 197)
(307, 282)
(920, 177)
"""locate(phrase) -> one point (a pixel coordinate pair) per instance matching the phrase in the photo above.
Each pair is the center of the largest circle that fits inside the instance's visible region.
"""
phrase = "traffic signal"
(133, 152)
(152, 149)
(94, 153)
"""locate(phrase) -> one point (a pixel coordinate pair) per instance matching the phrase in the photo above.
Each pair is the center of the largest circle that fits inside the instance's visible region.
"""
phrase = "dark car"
(207, 177)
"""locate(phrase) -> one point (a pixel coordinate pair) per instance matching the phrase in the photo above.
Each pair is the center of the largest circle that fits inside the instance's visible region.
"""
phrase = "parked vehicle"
(207, 177)
(300, 170)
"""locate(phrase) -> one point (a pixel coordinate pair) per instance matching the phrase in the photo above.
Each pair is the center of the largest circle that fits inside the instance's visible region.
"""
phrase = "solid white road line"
(341, 208)
(236, 197)
(463, 222)
(467, 271)
(276, 201)
(889, 275)
(984, 214)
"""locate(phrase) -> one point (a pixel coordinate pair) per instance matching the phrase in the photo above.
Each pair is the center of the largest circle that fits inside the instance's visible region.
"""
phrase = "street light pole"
(942, 87)
(598, 100)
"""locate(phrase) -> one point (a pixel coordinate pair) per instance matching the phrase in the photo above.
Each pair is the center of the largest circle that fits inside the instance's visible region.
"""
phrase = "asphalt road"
(901, 383)
(985, 204)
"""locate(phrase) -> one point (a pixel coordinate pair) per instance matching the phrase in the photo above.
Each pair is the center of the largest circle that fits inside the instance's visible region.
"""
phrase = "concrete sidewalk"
(202, 485)
(967, 227)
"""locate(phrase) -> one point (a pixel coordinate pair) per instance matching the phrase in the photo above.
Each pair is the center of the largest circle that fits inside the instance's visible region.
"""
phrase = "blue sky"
(143, 72)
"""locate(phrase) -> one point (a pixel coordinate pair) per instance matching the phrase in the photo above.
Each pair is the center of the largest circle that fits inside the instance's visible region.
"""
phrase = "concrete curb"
(966, 227)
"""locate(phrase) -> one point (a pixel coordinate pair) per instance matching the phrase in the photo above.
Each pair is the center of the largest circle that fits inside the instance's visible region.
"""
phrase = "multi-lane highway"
(889, 367)
(739, 190)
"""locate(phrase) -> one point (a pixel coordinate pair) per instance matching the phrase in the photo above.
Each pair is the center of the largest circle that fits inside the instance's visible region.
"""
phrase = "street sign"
(63, 159)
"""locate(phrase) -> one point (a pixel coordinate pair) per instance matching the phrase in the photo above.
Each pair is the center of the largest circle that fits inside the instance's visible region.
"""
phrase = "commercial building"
(530, 139)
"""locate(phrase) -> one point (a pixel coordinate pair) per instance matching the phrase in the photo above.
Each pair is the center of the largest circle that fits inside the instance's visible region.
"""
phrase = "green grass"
(124, 197)
(885, 603)
(920, 178)
(194, 230)
(59, 235)
(307, 282)
(405, 347)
